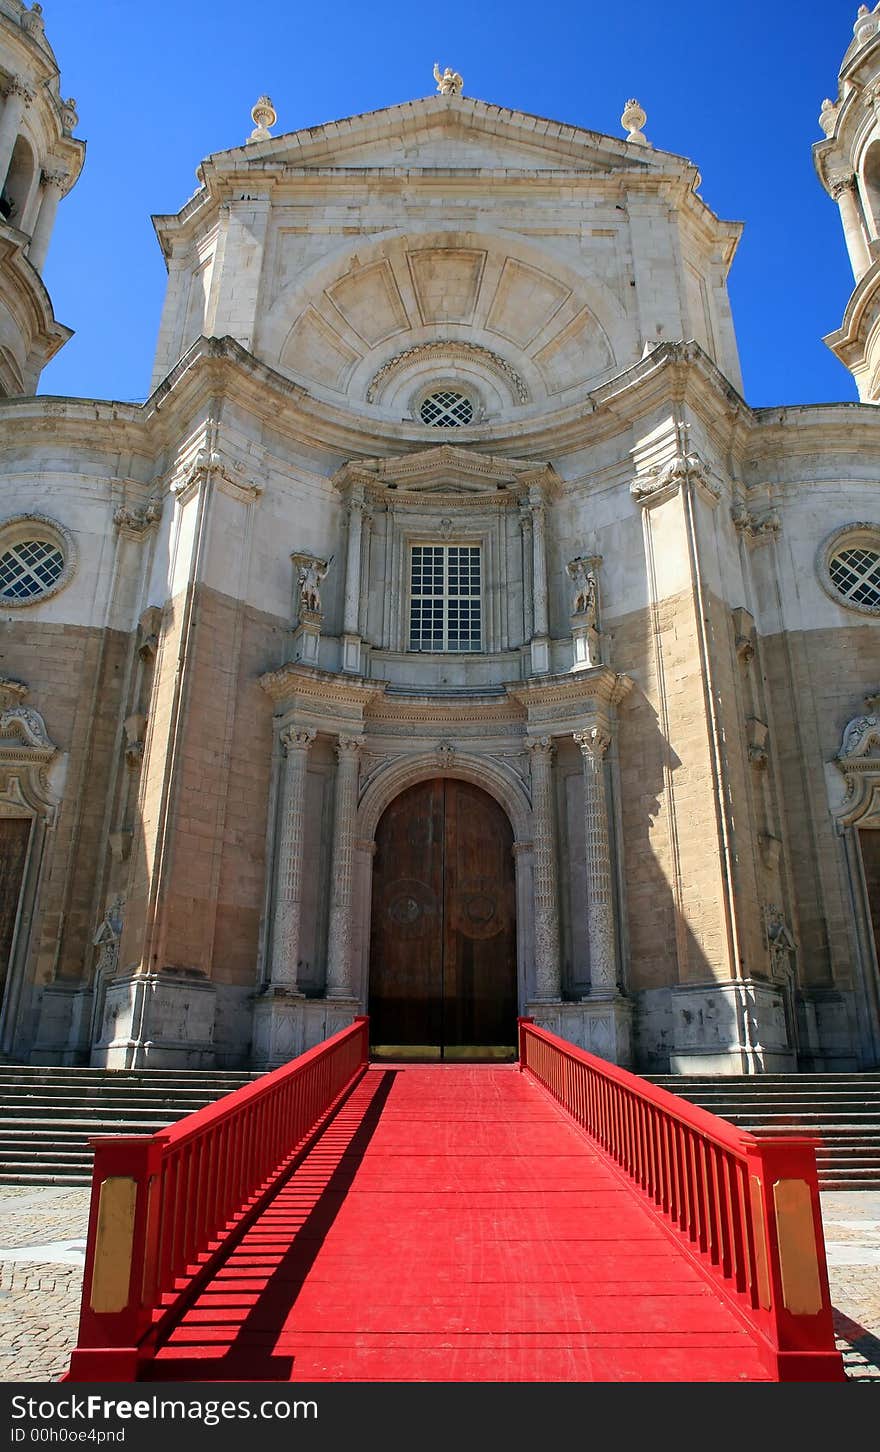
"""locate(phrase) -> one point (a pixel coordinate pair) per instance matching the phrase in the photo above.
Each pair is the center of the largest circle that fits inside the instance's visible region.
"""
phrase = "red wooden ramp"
(344, 1222)
(452, 1224)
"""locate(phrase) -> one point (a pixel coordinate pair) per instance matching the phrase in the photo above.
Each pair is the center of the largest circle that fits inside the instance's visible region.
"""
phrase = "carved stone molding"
(26, 752)
(858, 760)
(228, 474)
(137, 523)
(756, 737)
(149, 626)
(444, 350)
(743, 634)
(755, 528)
(664, 480)
(134, 727)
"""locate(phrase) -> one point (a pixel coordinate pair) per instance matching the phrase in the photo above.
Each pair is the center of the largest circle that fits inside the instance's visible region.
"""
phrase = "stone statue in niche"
(107, 937)
(586, 601)
(312, 573)
(586, 646)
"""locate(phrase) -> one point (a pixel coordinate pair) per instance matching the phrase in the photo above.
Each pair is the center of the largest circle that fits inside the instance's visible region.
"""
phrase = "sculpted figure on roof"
(449, 82)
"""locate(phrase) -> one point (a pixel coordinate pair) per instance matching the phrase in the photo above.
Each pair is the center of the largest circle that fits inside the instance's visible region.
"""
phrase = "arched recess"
(499, 782)
(869, 190)
(28, 811)
(856, 814)
(340, 323)
(19, 182)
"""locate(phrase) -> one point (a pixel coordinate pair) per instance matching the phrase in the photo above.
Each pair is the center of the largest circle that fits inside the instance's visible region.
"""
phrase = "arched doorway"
(443, 936)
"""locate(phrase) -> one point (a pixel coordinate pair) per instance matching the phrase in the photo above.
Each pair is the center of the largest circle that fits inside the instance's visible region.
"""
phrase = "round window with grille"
(446, 409)
(855, 574)
(36, 559)
(849, 567)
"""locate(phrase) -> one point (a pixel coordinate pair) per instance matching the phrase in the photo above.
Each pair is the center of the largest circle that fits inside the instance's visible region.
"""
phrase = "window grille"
(445, 596)
(446, 410)
(855, 574)
(29, 568)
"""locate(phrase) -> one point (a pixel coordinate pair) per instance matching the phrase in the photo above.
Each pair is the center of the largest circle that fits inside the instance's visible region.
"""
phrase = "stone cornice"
(297, 685)
(575, 693)
(428, 475)
(849, 341)
(215, 369)
(30, 290)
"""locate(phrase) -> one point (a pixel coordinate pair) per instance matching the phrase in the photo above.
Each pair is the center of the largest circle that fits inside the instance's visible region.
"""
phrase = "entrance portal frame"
(499, 782)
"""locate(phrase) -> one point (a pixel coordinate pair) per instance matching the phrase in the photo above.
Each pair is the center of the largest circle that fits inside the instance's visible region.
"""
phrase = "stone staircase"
(842, 1111)
(48, 1114)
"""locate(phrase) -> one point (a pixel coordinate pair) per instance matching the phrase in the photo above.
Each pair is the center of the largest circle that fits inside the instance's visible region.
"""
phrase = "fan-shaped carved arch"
(339, 326)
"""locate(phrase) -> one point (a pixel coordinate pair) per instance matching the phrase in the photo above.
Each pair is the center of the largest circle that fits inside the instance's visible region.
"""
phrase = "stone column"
(54, 183)
(547, 981)
(339, 983)
(539, 566)
(540, 615)
(525, 524)
(351, 655)
(289, 860)
(600, 907)
(18, 96)
(843, 189)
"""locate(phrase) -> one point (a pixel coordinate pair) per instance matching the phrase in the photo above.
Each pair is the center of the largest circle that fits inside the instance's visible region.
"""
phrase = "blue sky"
(735, 87)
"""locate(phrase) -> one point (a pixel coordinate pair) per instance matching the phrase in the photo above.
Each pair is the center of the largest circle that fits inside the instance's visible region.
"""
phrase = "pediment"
(445, 132)
(448, 471)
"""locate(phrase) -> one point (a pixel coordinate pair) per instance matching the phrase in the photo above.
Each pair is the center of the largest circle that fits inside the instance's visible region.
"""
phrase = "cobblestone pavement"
(42, 1238)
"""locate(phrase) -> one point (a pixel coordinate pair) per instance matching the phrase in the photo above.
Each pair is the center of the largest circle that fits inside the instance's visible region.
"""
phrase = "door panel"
(14, 834)
(443, 945)
(406, 977)
(869, 841)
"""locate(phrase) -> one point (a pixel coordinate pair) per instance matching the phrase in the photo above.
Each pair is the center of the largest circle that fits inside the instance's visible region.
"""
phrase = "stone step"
(60, 1177)
(188, 1101)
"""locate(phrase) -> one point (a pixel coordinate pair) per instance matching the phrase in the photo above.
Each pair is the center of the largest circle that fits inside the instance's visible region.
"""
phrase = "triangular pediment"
(442, 132)
(448, 470)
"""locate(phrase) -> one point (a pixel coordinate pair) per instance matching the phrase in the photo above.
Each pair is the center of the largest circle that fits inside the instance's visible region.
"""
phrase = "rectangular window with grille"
(445, 596)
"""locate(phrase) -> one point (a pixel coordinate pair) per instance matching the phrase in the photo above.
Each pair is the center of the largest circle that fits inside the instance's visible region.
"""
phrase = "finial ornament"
(866, 24)
(263, 115)
(69, 116)
(32, 21)
(828, 116)
(449, 82)
(632, 120)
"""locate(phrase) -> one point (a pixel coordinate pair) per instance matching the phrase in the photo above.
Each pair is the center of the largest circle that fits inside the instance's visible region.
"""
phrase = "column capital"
(593, 742)
(354, 493)
(541, 746)
(294, 739)
(348, 747)
(56, 179)
(18, 86)
(841, 182)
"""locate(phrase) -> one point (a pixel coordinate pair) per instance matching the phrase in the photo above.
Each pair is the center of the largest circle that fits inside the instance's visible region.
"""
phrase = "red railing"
(165, 1207)
(748, 1209)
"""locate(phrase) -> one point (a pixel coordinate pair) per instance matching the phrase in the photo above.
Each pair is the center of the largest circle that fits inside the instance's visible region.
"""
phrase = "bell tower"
(848, 164)
(40, 159)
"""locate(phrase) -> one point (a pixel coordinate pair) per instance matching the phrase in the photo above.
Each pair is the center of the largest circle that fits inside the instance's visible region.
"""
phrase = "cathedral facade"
(445, 638)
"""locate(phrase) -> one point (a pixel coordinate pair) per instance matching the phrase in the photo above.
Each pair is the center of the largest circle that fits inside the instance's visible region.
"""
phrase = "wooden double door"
(443, 939)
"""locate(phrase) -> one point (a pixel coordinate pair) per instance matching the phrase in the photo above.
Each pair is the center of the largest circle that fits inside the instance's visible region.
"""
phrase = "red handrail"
(164, 1206)
(747, 1208)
